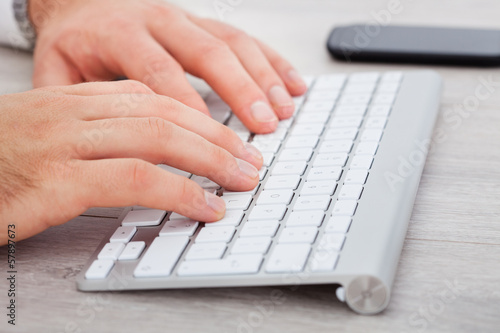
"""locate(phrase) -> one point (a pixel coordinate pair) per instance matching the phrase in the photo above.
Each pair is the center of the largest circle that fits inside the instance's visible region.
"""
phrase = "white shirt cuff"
(10, 34)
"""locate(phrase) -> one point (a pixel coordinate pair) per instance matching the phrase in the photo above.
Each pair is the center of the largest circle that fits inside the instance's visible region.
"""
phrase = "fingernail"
(295, 78)
(253, 151)
(215, 202)
(247, 168)
(281, 100)
(262, 112)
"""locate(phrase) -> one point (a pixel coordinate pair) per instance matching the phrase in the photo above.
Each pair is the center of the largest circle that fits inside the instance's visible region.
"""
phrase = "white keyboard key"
(267, 212)
(99, 269)
(203, 251)
(288, 258)
(318, 106)
(253, 191)
(268, 159)
(160, 258)
(132, 251)
(359, 88)
(305, 218)
(331, 241)
(298, 235)
(367, 148)
(204, 182)
(262, 172)
(375, 122)
(298, 101)
(179, 227)
(371, 135)
(274, 197)
(174, 170)
(323, 95)
(330, 82)
(312, 202)
(231, 218)
(363, 162)
(348, 133)
(111, 251)
(237, 201)
(324, 173)
(215, 234)
(313, 118)
(231, 265)
(268, 146)
(123, 234)
(307, 129)
(392, 76)
(324, 260)
(345, 121)
(339, 224)
(382, 110)
(329, 159)
(356, 177)
(309, 80)
(352, 99)
(177, 216)
(282, 182)
(350, 192)
(305, 141)
(251, 245)
(143, 217)
(278, 134)
(364, 77)
(285, 123)
(388, 87)
(295, 154)
(345, 207)
(318, 187)
(384, 98)
(289, 168)
(335, 146)
(259, 229)
(350, 110)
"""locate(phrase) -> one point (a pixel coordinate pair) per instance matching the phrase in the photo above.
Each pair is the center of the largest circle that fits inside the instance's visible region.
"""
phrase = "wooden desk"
(449, 274)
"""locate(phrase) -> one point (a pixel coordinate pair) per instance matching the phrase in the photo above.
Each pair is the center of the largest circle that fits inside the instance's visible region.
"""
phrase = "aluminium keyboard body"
(368, 148)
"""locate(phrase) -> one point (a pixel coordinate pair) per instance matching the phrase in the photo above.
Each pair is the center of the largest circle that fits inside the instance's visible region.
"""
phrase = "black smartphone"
(409, 44)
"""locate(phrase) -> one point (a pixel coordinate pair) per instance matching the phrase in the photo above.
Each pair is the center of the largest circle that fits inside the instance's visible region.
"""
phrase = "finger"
(212, 60)
(120, 106)
(148, 62)
(296, 86)
(106, 88)
(128, 182)
(255, 62)
(161, 142)
(51, 68)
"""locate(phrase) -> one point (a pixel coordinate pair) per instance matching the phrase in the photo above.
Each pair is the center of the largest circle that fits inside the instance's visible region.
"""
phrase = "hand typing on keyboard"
(156, 43)
(65, 149)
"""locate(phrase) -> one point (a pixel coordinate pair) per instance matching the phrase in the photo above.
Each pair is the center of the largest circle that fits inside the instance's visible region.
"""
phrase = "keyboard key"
(313, 118)
(348, 133)
(253, 191)
(185, 227)
(318, 187)
(331, 241)
(353, 88)
(215, 234)
(323, 95)
(371, 135)
(305, 141)
(329, 159)
(364, 77)
(288, 258)
(99, 269)
(162, 255)
(278, 134)
(351, 99)
(350, 110)
(123, 234)
(356, 177)
(111, 251)
(392, 76)
(335, 146)
(203, 251)
(367, 148)
(307, 129)
(132, 251)
(375, 122)
(363, 162)
(273, 197)
(379, 110)
(267, 212)
(312, 202)
(259, 229)
(282, 182)
(339, 224)
(345, 207)
(324, 260)
(324, 173)
(143, 217)
(298, 235)
(388, 87)
(318, 106)
(231, 218)
(350, 192)
(345, 121)
(268, 146)
(295, 154)
(239, 202)
(251, 245)
(262, 172)
(384, 98)
(305, 218)
(231, 265)
(204, 182)
(330, 82)
(289, 168)
(268, 159)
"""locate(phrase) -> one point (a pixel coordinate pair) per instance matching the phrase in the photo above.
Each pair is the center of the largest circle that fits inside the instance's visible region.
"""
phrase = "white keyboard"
(331, 206)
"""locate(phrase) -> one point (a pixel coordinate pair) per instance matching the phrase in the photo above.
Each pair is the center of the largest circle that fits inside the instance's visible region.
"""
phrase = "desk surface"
(449, 273)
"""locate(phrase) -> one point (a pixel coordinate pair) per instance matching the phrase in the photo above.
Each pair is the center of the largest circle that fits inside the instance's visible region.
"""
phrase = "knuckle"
(136, 87)
(159, 128)
(213, 50)
(136, 171)
(236, 36)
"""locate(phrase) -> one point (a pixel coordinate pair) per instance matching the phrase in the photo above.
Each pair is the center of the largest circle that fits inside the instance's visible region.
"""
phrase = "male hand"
(65, 149)
(156, 43)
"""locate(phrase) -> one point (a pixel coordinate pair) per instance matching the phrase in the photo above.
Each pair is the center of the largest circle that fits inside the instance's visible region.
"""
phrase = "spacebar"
(161, 256)
(233, 264)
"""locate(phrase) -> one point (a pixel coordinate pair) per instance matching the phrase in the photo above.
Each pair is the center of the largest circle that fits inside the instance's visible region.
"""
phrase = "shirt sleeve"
(10, 34)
